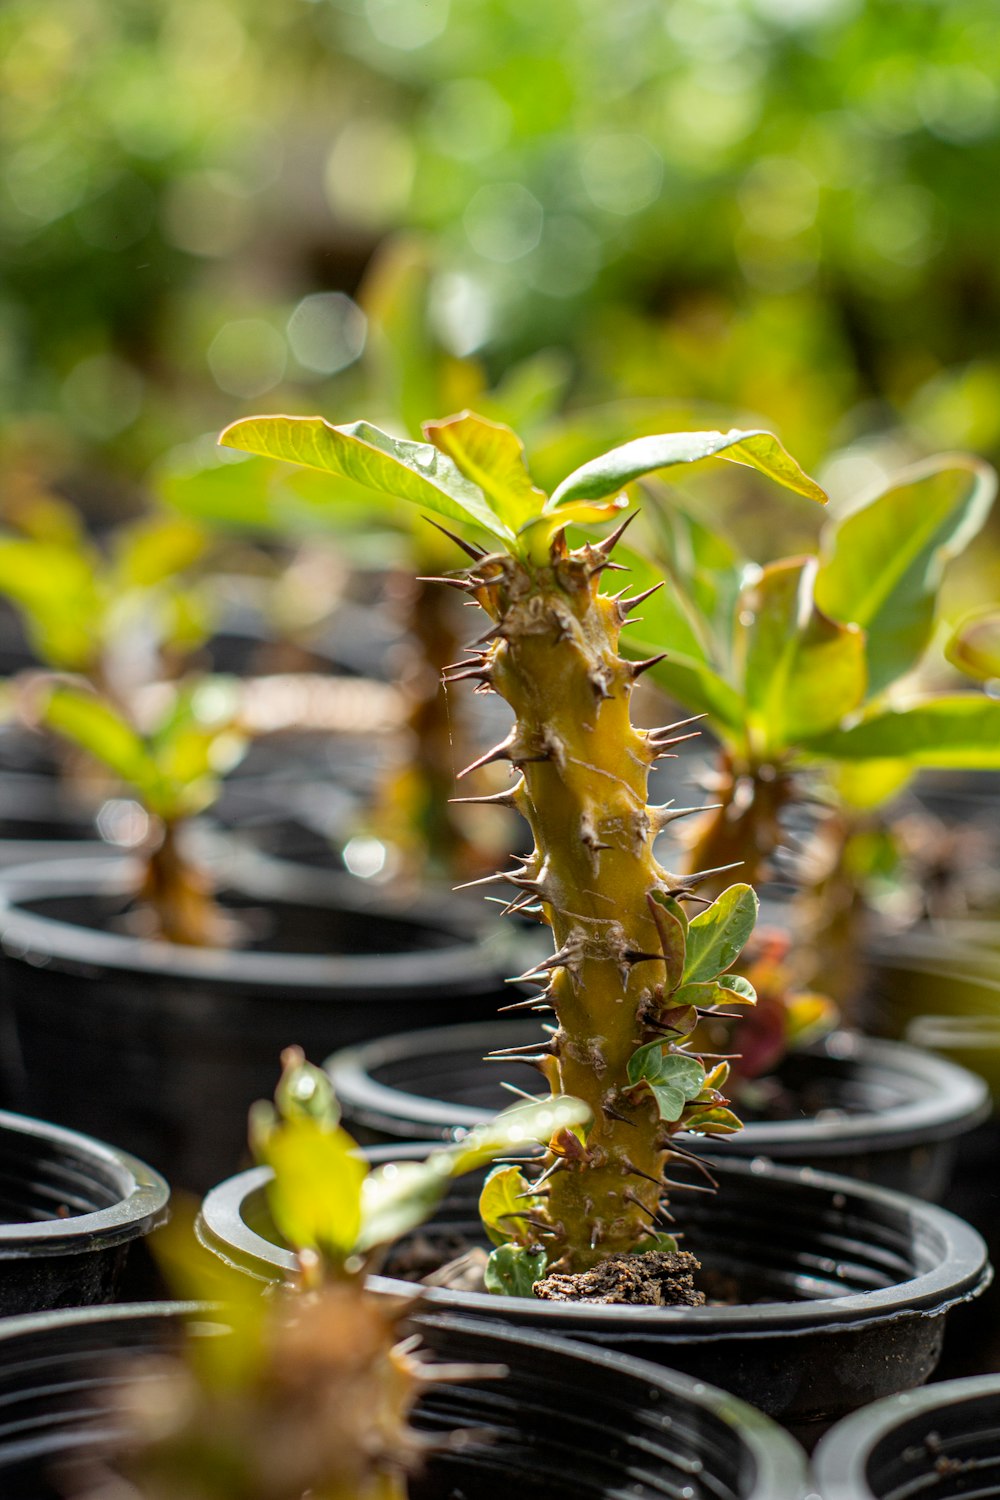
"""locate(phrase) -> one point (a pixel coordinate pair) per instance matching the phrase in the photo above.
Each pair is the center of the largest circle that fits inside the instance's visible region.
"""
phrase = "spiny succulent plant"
(312, 1391)
(632, 971)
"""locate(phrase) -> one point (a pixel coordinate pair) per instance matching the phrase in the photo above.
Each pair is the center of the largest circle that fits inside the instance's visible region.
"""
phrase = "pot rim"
(960, 1099)
(142, 1206)
(841, 1457)
(471, 959)
(961, 1272)
(779, 1462)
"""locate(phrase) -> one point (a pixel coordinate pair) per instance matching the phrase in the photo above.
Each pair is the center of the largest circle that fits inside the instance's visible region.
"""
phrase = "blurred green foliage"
(785, 206)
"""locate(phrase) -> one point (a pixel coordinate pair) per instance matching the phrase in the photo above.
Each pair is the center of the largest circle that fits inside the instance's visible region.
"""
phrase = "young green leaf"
(707, 994)
(960, 731)
(315, 1196)
(974, 647)
(666, 1244)
(673, 1077)
(492, 457)
(803, 672)
(56, 587)
(512, 1270)
(92, 724)
(361, 452)
(506, 1195)
(882, 565)
(671, 925)
(716, 937)
(613, 471)
(718, 1121)
(400, 1195)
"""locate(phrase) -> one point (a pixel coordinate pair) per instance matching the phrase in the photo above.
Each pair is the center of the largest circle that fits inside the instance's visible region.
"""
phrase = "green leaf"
(156, 548)
(693, 685)
(492, 457)
(738, 991)
(512, 1270)
(523, 1124)
(501, 1202)
(56, 588)
(803, 672)
(93, 725)
(673, 1077)
(974, 648)
(882, 565)
(717, 935)
(665, 1243)
(315, 1196)
(950, 731)
(727, 989)
(719, 1121)
(363, 453)
(612, 471)
(400, 1195)
(671, 926)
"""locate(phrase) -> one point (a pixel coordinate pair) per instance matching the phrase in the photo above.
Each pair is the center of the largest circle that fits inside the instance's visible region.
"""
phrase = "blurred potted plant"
(328, 1388)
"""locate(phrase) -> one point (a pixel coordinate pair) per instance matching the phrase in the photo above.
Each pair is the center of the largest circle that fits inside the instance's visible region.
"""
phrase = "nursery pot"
(563, 1423)
(163, 1047)
(842, 1288)
(946, 968)
(71, 1209)
(938, 1443)
(881, 1111)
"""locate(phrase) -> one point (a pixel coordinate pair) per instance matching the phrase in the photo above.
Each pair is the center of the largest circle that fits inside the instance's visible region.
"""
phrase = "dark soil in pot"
(939, 1443)
(163, 1048)
(841, 1288)
(880, 1111)
(71, 1211)
(564, 1423)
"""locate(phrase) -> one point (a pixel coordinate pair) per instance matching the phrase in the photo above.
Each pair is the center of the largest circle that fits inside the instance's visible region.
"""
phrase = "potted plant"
(633, 971)
(140, 970)
(327, 1388)
(797, 670)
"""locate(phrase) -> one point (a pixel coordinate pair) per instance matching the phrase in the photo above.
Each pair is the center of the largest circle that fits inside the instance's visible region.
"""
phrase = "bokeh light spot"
(247, 357)
(327, 332)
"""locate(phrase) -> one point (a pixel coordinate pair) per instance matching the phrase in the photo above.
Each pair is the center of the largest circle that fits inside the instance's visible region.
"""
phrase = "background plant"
(807, 671)
(312, 1389)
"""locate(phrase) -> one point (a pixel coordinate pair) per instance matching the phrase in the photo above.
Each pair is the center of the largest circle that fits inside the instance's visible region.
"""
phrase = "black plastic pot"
(843, 1287)
(880, 1111)
(71, 1209)
(939, 1443)
(564, 1424)
(944, 969)
(164, 1048)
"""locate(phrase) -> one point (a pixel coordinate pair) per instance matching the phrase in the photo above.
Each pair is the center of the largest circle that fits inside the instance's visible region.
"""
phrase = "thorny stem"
(584, 770)
(745, 829)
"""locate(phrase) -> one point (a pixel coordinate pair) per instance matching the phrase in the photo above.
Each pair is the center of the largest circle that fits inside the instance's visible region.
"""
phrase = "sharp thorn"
(465, 584)
(532, 1003)
(498, 799)
(654, 735)
(469, 885)
(614, 1114)
(469, 548)
(634, 1198)
(686, 1187)
(609, 543)
(512, 1088)
(625, 606)
(641, 958)
(514, 1051)
(499, 752)
(634, 1171)
(636, 668)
